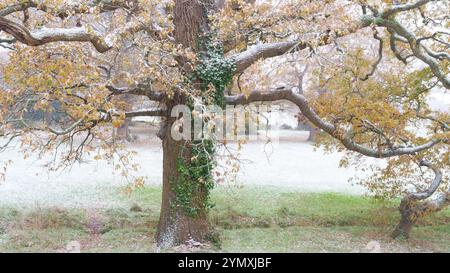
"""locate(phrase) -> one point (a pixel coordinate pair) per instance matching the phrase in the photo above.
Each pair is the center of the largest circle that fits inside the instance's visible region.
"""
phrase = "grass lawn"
(249, 219)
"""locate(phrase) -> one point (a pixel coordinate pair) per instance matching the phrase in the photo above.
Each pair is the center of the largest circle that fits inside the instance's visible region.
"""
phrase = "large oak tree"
(369, 65)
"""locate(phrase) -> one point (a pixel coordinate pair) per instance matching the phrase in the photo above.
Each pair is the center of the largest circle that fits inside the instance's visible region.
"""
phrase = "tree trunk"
(304, 124)
(176, 225)
(411, 210)
(313, 131)
(408, 214)
(123, 132)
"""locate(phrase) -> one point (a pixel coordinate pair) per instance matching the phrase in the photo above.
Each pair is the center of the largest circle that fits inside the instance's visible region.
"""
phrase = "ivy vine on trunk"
(214, 73)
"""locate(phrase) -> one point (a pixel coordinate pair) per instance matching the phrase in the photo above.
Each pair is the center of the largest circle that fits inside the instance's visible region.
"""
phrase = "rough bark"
(408, 218)
(176, 226)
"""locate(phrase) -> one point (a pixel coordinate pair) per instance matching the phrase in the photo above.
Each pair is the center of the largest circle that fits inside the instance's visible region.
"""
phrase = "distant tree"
(378, 59)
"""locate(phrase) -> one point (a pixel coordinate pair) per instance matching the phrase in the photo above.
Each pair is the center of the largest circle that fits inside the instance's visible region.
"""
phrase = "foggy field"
(89, 184)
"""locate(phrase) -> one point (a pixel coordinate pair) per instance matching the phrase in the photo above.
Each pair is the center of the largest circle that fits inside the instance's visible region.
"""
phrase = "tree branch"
(141, 89)
(433, 186)
(70, 8)
(48, 35)
(418, 49)
(379, 58)
(405, 7)
(77, 34)
(337, 133)
(245, 59)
